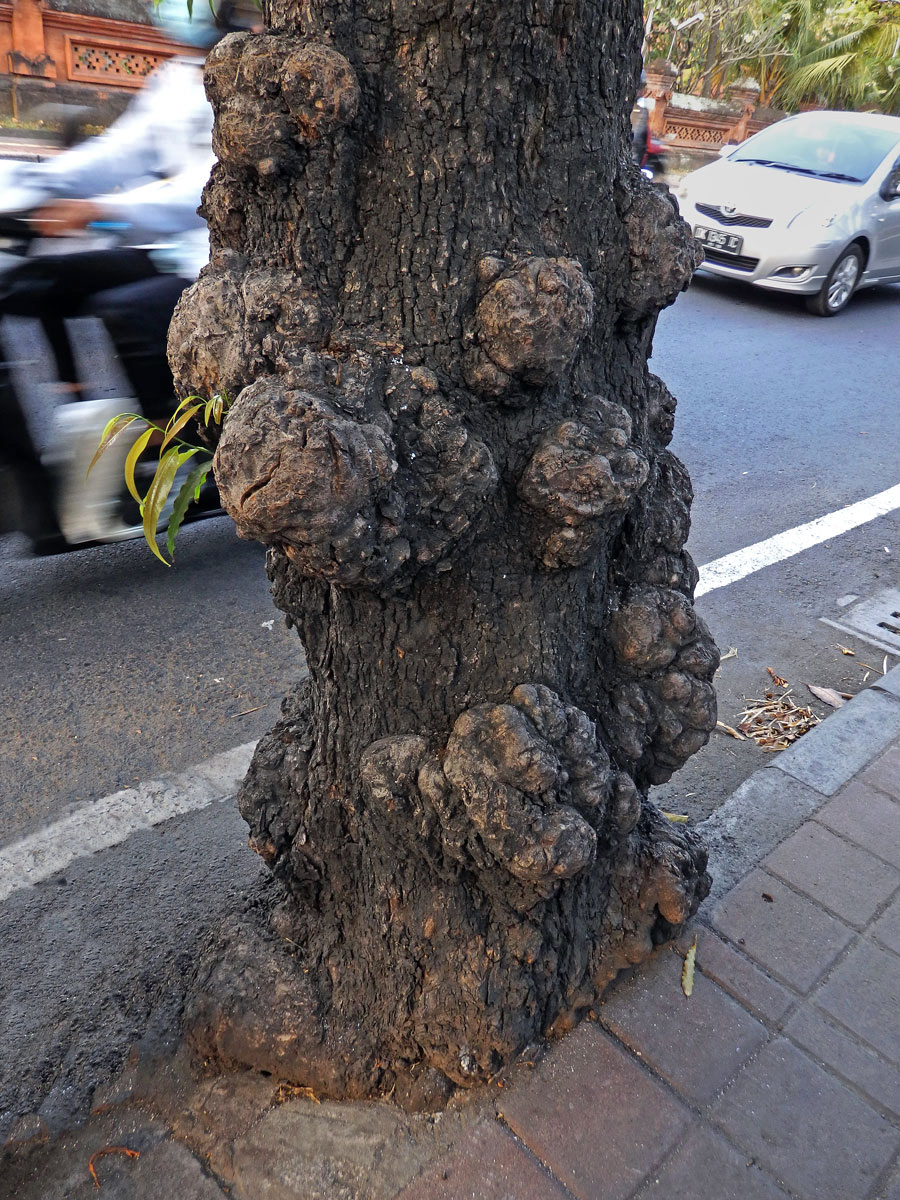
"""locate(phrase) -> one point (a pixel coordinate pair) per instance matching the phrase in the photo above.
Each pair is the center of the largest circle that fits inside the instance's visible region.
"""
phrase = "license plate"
(715, 239)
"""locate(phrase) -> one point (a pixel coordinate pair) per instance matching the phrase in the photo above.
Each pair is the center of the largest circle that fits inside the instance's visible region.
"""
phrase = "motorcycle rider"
(142, 181)
(647, 150)
(640, 123)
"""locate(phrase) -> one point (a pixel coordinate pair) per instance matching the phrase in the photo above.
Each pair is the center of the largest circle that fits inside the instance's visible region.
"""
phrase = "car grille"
(710, 210)
(737, 262)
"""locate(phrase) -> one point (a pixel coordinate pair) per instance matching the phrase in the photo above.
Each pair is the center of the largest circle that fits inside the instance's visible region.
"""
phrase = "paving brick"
(651, 1014)
(844, 744)
(884, 773)
(706, 1166)
(842, 877)
(791, 937)
(487, 1164)
(864, 994)
(854, 1061)
(744, 980)
(887, 928)
(819, 1139)
(594, 1116)
(866, 816)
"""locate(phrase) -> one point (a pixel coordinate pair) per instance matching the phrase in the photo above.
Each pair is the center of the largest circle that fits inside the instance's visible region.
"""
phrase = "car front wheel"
(839, 286)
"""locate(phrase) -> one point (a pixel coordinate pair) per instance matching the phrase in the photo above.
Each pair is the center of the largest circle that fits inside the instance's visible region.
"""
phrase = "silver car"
(809, 205)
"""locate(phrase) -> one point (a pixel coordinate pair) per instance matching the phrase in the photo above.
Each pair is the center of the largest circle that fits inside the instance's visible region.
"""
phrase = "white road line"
(740, 564)
(112, 819)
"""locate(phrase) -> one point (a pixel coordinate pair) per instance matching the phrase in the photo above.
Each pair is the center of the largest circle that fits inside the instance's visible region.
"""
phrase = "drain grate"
(876, 620)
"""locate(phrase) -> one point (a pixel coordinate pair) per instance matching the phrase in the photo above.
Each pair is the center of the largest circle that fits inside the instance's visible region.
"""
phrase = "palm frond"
(883, 42)
(837, 45)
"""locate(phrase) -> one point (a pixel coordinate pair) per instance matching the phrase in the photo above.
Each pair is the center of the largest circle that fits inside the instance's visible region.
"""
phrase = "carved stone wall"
(93, 52)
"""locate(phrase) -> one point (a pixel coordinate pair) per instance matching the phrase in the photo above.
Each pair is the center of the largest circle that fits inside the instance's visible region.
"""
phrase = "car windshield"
(829, 149)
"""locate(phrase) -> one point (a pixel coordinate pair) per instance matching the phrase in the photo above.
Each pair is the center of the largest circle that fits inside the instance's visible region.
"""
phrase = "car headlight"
(813, 222)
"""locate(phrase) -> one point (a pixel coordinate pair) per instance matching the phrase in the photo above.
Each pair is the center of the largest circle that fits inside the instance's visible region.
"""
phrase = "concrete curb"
(778, 798)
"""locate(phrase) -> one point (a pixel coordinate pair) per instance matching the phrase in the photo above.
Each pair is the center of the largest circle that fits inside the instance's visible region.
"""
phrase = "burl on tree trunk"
(435, 277)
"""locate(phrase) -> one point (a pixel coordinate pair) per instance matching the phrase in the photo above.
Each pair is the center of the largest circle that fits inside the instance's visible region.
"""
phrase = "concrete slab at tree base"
(326, 1150)
(238, 1135)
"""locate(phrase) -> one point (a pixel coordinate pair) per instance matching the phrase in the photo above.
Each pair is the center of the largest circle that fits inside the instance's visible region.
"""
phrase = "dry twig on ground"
(775, 722)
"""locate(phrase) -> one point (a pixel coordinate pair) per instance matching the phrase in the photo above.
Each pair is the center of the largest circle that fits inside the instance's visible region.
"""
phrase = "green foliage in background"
(843, 55)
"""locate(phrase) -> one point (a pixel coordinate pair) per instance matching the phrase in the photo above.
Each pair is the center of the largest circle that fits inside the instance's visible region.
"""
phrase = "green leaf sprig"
(174, 452)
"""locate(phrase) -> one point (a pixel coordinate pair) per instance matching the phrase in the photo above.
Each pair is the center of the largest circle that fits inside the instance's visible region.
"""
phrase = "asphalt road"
(782, 418)
(114, 670)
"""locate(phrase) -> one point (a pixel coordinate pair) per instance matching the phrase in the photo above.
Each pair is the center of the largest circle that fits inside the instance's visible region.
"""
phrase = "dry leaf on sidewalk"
(779, 682)
(776, 722)
(677, 818)
(845, 649)
(687, 971)
(827, 695)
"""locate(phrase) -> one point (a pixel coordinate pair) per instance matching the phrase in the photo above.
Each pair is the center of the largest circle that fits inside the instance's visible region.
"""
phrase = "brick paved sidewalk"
(780, 1076)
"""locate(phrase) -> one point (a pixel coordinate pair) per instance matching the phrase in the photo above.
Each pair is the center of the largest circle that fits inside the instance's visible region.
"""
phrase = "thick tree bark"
(434, 281)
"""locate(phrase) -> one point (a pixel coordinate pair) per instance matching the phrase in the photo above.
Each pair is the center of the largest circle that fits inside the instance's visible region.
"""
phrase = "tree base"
(257, 1006)
(431, 294)
(254, 1007)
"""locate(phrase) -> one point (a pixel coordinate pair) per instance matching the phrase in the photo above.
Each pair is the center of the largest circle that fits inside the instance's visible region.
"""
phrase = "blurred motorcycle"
(653, 160)
(51, 496)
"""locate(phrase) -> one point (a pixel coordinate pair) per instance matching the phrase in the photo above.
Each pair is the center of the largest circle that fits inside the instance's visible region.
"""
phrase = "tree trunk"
(434, 281)
(712, 53)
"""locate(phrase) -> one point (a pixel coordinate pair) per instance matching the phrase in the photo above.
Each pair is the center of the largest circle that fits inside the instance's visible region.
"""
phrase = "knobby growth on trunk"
(434, 280)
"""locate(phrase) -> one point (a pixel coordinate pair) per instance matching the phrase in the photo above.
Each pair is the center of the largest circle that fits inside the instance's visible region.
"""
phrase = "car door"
(885, 258)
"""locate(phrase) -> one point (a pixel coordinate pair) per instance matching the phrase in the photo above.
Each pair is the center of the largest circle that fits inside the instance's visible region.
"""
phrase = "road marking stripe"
(740, 564)
(112, 819)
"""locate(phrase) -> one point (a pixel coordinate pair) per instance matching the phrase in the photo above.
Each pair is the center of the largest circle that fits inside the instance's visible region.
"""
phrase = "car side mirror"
(890, 189)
